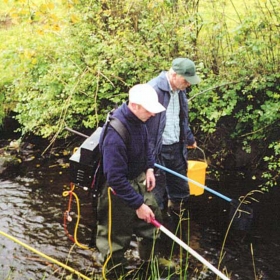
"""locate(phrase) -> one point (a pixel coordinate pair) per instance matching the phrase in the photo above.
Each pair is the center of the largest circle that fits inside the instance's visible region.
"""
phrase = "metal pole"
(76, 132)
(194, 182)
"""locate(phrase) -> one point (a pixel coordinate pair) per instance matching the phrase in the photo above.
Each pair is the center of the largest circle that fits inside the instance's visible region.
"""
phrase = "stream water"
(32, 207)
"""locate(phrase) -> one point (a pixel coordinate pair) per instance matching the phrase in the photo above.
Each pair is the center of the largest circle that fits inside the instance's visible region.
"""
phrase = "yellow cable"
(65, 193)
(109, 232)
(72, 270)
(77, 224)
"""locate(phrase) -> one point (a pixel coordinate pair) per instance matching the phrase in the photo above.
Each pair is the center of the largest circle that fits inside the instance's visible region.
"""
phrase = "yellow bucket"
(196, 172)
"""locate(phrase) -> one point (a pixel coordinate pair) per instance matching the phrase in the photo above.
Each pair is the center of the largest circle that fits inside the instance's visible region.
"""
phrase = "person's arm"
(145, 213)
(190, 138)
(150, 179)
(115, 168)
(193, 146)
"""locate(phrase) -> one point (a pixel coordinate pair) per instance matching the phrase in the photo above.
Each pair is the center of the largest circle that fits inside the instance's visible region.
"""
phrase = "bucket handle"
(190, 147)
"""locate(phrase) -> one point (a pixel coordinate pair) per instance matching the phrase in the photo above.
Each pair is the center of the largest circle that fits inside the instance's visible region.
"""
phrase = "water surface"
(32, 208)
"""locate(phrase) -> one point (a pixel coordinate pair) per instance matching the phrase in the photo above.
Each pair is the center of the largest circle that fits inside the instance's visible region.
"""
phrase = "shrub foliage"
(69, 63)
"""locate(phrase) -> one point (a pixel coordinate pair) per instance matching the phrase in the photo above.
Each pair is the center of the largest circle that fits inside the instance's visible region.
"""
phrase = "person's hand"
(193, 146)
(150, 179)
(145, 213)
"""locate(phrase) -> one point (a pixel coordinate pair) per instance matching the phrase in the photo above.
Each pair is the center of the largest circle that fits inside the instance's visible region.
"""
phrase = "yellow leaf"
(74, 18)
(38, 14)
(40, 31)
(24, 12)
(50, 5)
(65, 165)
(14, 15)
(54, 17)
(65, 152)
(43, 8)
(56, 27)
(46, 27)
(27, 53)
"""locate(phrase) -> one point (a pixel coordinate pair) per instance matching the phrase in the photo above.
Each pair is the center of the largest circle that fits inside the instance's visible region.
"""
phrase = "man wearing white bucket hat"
(170, 133)
(128, 169)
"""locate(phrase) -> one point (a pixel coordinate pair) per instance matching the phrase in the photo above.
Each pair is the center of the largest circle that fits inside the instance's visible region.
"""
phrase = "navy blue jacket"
(122, 163)
(156, 124)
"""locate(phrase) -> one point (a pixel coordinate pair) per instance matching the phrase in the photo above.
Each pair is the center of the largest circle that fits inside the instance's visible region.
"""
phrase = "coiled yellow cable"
(66, 193)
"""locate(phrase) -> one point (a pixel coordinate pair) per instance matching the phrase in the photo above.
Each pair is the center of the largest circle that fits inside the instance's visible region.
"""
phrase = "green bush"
(74, 62)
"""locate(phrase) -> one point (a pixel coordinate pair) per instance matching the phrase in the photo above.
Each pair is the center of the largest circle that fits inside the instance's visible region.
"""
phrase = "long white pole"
(189, 249)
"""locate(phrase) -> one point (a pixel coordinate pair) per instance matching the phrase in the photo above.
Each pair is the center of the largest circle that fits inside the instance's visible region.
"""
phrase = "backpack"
(86, 163)
(86, 166)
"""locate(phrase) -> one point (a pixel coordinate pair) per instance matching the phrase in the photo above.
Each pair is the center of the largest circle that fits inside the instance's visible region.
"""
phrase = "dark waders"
(124, 223)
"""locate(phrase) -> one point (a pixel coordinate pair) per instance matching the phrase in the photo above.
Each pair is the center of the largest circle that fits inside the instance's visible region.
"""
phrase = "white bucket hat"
(146, 96)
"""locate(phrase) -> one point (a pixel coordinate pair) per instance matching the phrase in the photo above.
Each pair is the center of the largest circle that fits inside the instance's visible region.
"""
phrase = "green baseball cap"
(186, 68)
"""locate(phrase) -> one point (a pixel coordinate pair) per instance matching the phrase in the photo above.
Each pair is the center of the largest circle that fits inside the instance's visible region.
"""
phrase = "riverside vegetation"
(69, 62)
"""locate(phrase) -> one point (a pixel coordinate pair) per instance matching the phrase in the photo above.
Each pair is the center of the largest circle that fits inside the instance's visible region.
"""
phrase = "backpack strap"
(120, 128)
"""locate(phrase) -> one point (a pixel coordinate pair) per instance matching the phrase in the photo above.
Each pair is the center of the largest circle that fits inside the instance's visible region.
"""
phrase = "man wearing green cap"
(170, 133)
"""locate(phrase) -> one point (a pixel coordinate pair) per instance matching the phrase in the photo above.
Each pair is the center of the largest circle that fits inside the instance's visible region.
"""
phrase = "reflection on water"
(33, 214)
(248, 255)
(32, 207)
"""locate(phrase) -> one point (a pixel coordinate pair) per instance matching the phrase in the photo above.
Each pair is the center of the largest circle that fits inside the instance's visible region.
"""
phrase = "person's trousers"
(123, 222)
(172, 192)
(169, 186)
